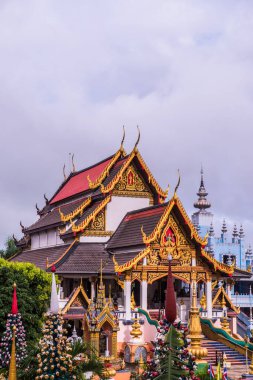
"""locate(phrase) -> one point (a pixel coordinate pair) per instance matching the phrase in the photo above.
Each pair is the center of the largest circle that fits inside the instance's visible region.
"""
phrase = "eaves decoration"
(92, 216)
(77, 211)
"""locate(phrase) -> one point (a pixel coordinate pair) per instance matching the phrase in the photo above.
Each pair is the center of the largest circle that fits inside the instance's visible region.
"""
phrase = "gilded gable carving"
(98, 224)
(172, 234)
(131, 182)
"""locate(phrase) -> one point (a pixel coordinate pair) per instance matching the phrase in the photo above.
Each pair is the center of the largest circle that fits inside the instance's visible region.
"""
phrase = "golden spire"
(195, 328)
(133, 304)
(223, 302)
(13, 369)
(136, 328)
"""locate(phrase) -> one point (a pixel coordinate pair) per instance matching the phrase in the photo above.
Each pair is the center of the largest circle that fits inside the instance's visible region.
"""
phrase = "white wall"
(119, 206)
(94, 239)
(47, 238)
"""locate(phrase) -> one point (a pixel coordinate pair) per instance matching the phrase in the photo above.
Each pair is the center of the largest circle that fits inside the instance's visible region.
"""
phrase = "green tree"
(10, 248)
(33, 292)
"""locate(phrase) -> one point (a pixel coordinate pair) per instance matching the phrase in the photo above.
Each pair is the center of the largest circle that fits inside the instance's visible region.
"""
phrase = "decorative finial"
(73, 165)
(123, 138)
(22, 226)
(249, 250)
(37, 208)
(138, 138)
(202, 204)
(13, 368)
(224, 227)
(64, 172)
(235, 232)
(46, 199)
(241, 232)
(178, 182)
(211, 230)
(14, 239)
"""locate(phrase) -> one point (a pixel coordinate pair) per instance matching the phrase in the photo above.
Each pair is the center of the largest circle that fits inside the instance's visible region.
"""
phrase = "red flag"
(170, 302)
(14, 309)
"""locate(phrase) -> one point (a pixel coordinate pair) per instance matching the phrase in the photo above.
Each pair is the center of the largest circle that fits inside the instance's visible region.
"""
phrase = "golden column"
(13, 369)
(195, 328)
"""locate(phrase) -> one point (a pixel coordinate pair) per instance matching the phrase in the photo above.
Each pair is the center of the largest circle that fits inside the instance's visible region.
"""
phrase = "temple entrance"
(157, 292)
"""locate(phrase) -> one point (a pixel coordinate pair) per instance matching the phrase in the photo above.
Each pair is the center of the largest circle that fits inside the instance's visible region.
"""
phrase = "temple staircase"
(217, 349)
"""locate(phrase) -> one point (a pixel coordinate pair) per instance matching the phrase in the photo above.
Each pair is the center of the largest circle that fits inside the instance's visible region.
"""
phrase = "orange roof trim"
(77, 211)
(92, 216)
(105, 172)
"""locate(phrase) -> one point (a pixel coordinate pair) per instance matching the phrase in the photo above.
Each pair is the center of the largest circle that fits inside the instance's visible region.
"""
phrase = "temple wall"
(47, 238)
(119, 206)
(148, 331)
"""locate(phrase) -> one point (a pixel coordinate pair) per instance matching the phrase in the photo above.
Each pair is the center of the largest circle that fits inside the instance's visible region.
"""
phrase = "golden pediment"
(131, 182)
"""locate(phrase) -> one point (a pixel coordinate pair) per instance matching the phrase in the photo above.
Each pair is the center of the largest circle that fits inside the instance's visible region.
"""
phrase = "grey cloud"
(72, 75)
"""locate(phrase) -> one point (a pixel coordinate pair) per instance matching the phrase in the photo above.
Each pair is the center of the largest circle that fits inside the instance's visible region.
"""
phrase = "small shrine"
(101, 324)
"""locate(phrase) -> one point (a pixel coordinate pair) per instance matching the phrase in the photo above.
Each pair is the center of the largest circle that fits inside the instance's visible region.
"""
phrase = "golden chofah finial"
(144, 236)
(73, 165)
(178, 183)
(14, 285)
(123, 138)
(138, 138)
(13, 369)
(64, 172)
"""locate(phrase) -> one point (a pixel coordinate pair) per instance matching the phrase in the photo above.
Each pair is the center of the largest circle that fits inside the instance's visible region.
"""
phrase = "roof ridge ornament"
(178, 183)
(123, 139)
(46, 199)
(73, 164)
(120, 152)
(64, 172)
(138, 139)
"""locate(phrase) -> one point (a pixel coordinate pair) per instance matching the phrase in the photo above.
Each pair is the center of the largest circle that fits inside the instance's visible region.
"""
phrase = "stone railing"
(242, 300)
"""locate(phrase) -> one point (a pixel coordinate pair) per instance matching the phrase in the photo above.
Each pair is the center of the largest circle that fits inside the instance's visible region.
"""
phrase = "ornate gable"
(132, 184)
(78, 302)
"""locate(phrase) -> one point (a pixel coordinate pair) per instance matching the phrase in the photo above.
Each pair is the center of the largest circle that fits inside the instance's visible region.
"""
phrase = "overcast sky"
(73, 72)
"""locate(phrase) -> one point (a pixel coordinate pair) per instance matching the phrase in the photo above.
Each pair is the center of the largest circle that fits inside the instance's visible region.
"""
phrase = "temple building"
(224, 248)
(114, 218)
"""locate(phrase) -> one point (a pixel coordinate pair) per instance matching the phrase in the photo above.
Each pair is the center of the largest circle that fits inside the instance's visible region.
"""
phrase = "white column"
(229, 290)
(127, 299)
(209, 305)
(144, 294)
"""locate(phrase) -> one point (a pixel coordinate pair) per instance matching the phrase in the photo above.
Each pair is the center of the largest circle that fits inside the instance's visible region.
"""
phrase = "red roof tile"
(78, 182)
